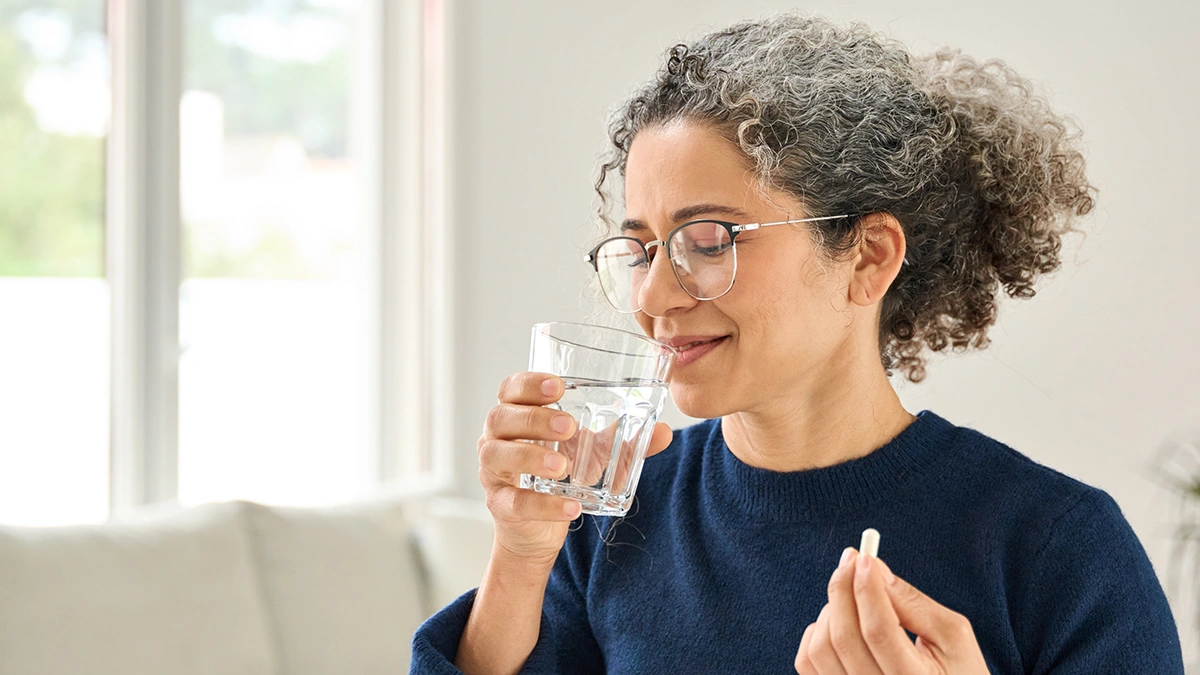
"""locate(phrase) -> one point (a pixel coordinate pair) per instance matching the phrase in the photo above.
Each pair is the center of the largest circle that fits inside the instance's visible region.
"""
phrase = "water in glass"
(604, 458)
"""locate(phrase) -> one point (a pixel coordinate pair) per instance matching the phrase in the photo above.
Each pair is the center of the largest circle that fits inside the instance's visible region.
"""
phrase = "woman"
(895, 196)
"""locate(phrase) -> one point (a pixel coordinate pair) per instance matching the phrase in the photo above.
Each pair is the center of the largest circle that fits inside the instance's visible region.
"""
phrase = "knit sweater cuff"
(435, 644)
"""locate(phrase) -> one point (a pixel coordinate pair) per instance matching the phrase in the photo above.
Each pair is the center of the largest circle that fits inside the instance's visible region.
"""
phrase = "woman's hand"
(531, 525)
(861, 630)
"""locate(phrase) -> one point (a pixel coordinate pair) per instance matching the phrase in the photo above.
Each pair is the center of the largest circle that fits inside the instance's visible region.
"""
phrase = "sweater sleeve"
(565, 643)
(1095, 604)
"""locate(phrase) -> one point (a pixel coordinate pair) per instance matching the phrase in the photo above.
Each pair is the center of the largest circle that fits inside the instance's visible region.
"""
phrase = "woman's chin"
(698, 401)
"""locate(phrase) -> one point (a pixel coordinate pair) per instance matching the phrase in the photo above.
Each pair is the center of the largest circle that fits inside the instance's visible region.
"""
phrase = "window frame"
(143, 251)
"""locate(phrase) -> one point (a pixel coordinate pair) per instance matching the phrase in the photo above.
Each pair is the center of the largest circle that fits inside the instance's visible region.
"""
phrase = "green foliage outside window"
(305, 99)
(51, 184)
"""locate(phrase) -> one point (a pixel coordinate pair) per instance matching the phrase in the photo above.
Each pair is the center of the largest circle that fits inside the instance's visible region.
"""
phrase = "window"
(54, 300)
(275, 386)
(216, 266)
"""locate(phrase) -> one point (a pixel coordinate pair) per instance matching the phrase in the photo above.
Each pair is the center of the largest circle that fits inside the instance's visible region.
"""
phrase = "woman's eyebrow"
(687, 213)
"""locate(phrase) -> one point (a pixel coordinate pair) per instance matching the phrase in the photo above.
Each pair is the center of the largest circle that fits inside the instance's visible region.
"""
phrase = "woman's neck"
(813, 427)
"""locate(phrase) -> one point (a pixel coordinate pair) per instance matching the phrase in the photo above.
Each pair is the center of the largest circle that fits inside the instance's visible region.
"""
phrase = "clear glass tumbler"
(615, 389)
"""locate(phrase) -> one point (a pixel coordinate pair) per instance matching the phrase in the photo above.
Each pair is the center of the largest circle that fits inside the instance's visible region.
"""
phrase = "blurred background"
(286, 250)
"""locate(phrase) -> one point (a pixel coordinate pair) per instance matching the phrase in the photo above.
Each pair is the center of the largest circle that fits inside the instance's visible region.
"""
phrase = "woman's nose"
(661, 292)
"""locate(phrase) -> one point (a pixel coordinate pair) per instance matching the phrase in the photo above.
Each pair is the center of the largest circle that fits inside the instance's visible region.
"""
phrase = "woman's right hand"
(530, 525)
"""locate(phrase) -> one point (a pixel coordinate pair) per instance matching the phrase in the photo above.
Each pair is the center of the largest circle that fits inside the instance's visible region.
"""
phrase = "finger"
(513, 504)
(591, 452)
(526, 422)
(663, 435)
(844, 634)
(803, 665)
(878, 624)
(530, 389)
(626, 454)
(502, 462)
(624, 449)
(588, 454)
(820, 649)
(941, 629)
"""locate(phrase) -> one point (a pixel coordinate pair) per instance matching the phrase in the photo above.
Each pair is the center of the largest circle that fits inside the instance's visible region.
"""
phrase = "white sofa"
(236, 589)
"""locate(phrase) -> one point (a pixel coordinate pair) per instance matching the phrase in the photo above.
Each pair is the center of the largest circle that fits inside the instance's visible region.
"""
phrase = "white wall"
(1089, 377)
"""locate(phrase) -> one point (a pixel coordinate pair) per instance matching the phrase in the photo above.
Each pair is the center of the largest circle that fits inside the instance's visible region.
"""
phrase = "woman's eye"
(715, 249)
(636, 259)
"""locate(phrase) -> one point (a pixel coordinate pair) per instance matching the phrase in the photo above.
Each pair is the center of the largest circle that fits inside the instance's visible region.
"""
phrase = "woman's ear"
(881, 251)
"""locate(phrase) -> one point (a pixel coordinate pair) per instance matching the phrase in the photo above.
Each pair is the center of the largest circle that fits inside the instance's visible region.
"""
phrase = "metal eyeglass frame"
(733, 229)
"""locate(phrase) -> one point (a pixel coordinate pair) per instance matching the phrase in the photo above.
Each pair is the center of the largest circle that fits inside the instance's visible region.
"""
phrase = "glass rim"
(662, 346)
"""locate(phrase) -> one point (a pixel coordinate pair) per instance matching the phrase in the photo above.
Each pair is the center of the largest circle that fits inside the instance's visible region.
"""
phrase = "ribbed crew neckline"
(844, 487)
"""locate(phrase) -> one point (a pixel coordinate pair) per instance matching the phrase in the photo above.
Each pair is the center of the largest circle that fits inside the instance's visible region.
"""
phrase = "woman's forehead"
(684, 154)
(681, 172)
(686, 171)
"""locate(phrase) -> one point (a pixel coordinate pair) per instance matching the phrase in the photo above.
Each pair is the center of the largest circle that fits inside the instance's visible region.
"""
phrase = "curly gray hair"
(984, 178)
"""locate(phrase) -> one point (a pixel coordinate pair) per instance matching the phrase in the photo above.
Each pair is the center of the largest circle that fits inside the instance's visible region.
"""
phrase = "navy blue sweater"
(720, 566)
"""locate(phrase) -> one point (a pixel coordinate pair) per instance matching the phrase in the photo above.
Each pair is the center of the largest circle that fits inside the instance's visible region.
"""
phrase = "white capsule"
(870, 542)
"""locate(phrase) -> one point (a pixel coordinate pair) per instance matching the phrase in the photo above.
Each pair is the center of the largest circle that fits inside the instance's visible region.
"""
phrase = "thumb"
(661, 438)
(938, 626)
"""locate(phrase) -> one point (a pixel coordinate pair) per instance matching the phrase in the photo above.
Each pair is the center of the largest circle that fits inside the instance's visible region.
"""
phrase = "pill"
(870, 542)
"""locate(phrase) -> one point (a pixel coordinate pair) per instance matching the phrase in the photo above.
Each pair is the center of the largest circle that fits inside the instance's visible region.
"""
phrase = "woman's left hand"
(861, 630)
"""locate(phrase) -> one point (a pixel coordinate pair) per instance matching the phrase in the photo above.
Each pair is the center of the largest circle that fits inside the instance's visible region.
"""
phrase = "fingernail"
(572, 509)
(550, 387)
(864, 563)
(555, 462)
(561, 423)
(845, 556)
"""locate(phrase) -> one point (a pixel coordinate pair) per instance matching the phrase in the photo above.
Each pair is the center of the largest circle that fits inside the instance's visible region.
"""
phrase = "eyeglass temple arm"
(754, 226)
(591, 256)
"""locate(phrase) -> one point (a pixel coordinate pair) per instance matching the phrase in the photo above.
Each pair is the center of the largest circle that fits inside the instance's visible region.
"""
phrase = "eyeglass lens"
(702, 254)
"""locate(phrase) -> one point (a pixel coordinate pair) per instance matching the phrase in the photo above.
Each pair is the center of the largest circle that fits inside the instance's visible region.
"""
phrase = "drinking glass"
(615, 390)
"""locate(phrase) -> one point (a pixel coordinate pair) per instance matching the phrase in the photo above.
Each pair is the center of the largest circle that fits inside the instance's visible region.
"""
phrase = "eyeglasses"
(702, 254)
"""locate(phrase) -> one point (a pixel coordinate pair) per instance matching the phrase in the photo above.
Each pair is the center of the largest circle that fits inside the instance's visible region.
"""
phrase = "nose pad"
(654, 268)
(651, 297)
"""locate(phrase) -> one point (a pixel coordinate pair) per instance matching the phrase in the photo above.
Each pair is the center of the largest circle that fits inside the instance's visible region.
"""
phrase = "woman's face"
(782, 330)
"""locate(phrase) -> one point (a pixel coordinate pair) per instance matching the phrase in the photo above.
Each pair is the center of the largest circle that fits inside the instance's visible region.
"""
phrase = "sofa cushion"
(342, 586)
(163, 594)
(454, 537)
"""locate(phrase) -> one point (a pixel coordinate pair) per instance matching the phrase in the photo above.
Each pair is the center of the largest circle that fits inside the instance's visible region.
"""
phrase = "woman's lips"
(690, 354)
